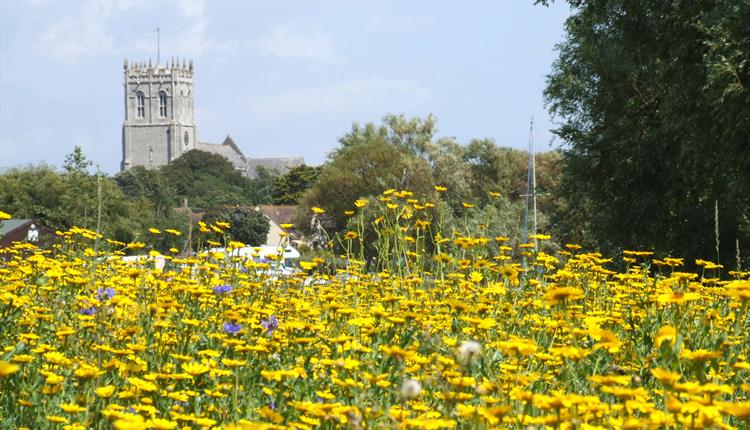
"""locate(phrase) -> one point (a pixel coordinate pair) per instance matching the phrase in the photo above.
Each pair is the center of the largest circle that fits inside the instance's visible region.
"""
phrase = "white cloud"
(86, 29)
(349, 98)
(191, 8)
(293, 42)
(389, 24)
(70, 37)
(194, 41)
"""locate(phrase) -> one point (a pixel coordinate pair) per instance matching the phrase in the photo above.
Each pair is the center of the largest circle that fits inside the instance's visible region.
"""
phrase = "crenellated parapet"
(175, 68)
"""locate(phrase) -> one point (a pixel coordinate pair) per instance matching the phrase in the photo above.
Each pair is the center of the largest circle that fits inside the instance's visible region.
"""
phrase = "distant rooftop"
(11, 224)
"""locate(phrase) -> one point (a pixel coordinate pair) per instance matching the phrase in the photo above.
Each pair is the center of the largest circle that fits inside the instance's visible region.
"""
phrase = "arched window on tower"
(163, 104)
(140, 104)
(187, 139)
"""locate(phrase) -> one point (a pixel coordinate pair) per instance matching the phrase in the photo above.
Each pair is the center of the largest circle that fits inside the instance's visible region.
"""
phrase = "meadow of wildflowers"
(467, 333)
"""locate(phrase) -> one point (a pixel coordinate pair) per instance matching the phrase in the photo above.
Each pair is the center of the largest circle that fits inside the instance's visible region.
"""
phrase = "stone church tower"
(159, 116)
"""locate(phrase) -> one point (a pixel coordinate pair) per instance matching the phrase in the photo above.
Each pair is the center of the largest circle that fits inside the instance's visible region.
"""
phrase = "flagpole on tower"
(158, 43)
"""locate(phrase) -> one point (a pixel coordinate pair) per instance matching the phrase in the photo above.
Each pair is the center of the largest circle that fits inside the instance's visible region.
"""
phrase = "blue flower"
(271, 325)
(232, 328)
(222, 289)
(104, 294)
(88, 311)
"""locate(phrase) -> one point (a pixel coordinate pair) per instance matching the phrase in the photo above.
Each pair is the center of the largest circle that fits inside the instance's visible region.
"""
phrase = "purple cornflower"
(232, 328)
(91, 310)
(104, 294)
(272, 405)
(271, 325)
(222, 289)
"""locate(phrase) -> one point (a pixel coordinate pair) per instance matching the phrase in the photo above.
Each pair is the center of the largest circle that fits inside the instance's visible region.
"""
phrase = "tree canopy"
(653, 102)
(406, 154)
(247, 225)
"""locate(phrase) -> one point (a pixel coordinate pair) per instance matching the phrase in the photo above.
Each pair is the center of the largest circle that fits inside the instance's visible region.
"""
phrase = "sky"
(283, 78)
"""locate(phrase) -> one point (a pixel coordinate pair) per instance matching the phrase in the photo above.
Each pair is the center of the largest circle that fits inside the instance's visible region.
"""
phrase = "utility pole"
(530, 186)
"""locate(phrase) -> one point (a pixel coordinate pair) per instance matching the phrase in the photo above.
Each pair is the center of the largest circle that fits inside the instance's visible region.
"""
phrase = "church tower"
(159, 116)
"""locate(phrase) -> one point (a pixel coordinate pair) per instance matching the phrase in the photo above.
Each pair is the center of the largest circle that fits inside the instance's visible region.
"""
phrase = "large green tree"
(207, 180)
(152, 185)
(653, 99)
(247, 225)
(367, 163)
(73, 197)
(288, 188)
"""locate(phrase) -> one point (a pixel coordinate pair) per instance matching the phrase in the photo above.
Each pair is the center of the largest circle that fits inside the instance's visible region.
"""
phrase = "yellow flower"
(72, 408)
(195, 369)
(360, 203)
(173, 232)
(570, 352)
(557, 294)
(142, 384)
(739, 290)
(161, 424)
(467, 205)
(610, 379)
(4, 215)
(270, 415)
(739, 410)
(699, 355)
(430, 423)
(54, 357)
(440, 188)
(465, 411)
(8, 368)
(666, 333)
(87, 371)
(286, 225)
(154, 230)
(540, 237)
(54, 379)
(22, 358)
(233, 363)
(677, 297)
(666, 377)
(518, 347)
(318, 211)
(105, 391)
(476, 277)
(131, 422)
(57, 419)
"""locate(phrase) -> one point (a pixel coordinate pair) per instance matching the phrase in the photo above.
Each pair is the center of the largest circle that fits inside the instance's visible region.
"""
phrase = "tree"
(288, 188)
(35, 192)
(207, 180)
(248, 226)
(76, 161)
(62, 200)
(653, 100)
(141, 183)
(261, 187)
(365, 165)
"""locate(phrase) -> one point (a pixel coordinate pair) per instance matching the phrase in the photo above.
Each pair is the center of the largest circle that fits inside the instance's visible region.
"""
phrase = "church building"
(160, 121)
